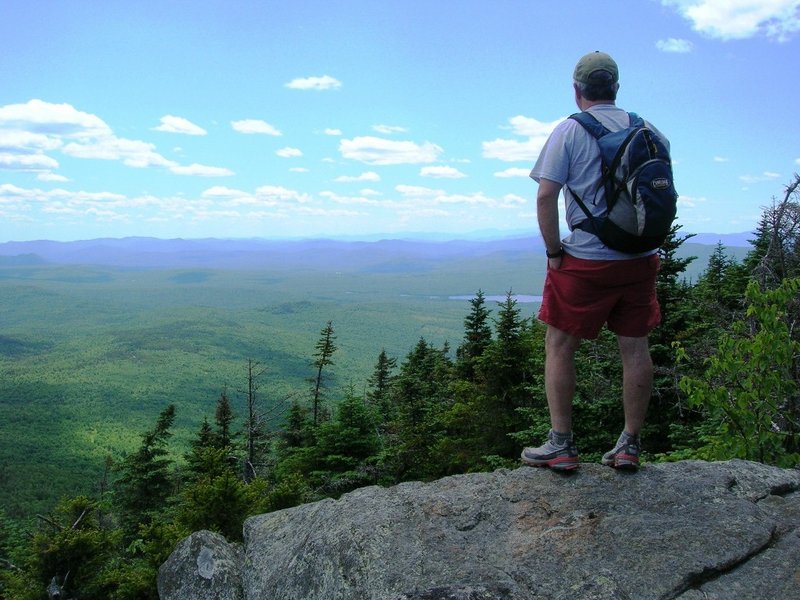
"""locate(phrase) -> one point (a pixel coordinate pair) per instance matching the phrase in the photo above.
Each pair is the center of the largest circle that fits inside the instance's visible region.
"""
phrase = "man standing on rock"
(588, 284)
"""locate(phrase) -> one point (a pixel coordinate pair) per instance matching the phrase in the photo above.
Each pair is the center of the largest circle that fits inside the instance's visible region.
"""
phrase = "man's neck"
(587, 104)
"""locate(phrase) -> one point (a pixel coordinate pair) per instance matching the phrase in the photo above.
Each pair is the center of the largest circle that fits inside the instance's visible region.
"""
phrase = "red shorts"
(583, 295)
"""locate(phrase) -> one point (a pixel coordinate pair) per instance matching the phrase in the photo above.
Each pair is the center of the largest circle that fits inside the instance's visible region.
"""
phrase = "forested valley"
(727, 374)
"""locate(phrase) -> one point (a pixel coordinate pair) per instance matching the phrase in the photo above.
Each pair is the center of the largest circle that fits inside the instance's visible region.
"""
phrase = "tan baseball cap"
(592, 62)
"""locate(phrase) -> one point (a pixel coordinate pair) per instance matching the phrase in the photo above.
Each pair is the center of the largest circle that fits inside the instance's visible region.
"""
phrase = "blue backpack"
(640, 196)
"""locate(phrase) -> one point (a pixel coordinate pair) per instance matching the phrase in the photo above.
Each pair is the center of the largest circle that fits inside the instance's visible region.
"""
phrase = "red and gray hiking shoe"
(558, 456)
(625, 454)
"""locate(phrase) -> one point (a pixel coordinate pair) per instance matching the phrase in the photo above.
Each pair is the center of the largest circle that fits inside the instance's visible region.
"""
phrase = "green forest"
(240, 413)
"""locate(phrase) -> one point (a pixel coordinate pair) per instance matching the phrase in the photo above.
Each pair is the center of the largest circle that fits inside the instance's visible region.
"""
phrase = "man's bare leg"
(637, 380)
(559, 377)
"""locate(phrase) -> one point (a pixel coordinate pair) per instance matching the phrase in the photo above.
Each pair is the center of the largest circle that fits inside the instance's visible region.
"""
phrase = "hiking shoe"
(561, 457)
(625, 454)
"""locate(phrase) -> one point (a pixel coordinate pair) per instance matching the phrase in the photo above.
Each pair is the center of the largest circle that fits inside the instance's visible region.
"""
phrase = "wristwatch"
(557, 254)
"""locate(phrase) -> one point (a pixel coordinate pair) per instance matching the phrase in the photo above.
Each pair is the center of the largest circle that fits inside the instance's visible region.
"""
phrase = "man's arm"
(547, 215)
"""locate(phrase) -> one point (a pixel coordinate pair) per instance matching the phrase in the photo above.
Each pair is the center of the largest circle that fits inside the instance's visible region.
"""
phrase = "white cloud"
(298, 170)
(513, 150)
(326, 82)
(172, 124)
(41, 117)
(443, 172)
(765, 176)
(255, 126)
(690, 201)
(282, 194)
(332, 131)
(513, 172)
(674, 45)
(739, 19)
(26, 130)
(530, 127)
(379, 151)
(418, 197)
(289, 152)
(220, 191)
(417, 191)
(389, 129)
(27, 162)
(48, 176)
(133, 153)
(26, 141)
(350, 200)
(721, 159)
(201, 170)
(366, 176)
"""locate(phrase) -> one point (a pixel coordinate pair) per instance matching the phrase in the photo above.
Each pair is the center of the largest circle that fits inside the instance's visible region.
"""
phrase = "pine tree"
(502, 365)
(380, 384)
(672, 292)
(346, 447)
(146, 482)
(477, 337)
(224, 418)
(325, 348)
(422, 396)
(296, 431)
(196, 463)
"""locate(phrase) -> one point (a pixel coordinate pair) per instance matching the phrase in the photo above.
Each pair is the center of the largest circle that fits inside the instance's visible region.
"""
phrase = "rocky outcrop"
(204, 566)
(687, 530)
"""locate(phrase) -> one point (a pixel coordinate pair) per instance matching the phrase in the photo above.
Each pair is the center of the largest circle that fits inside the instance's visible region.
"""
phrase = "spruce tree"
(326, 346)
(224, 418)
(422, 396)
(477, 337)
(380, 384)
(146, 482)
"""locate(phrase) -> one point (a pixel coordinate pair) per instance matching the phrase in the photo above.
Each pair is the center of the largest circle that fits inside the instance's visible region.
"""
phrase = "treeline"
(727, 375)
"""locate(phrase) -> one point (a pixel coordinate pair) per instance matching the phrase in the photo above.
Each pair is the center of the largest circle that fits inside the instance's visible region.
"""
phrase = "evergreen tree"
(146, 483)
(325, 348)
(502, 365)
(346, 447)
(224, 419)
(721, 287)
(380, 384)
(477, 337)
(297, 429)
(680, 320)
(71, 552)
(196, 458)
(422, 397)
(672, 292)
(218, 501)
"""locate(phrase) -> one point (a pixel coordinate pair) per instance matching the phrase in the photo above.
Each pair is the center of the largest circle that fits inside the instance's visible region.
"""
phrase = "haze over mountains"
(385, 254)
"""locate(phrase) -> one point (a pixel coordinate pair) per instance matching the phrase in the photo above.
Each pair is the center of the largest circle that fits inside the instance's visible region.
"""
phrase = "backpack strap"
(636, 120)
(597, 130)
(590, 124)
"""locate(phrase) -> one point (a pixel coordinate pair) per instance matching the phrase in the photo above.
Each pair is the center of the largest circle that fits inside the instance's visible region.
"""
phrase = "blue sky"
(316, 118)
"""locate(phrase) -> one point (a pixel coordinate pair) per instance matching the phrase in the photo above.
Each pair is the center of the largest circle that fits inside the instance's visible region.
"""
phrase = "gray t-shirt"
(571, 157)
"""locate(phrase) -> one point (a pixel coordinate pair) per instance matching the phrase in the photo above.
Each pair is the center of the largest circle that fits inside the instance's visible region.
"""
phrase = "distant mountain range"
(145, 252)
